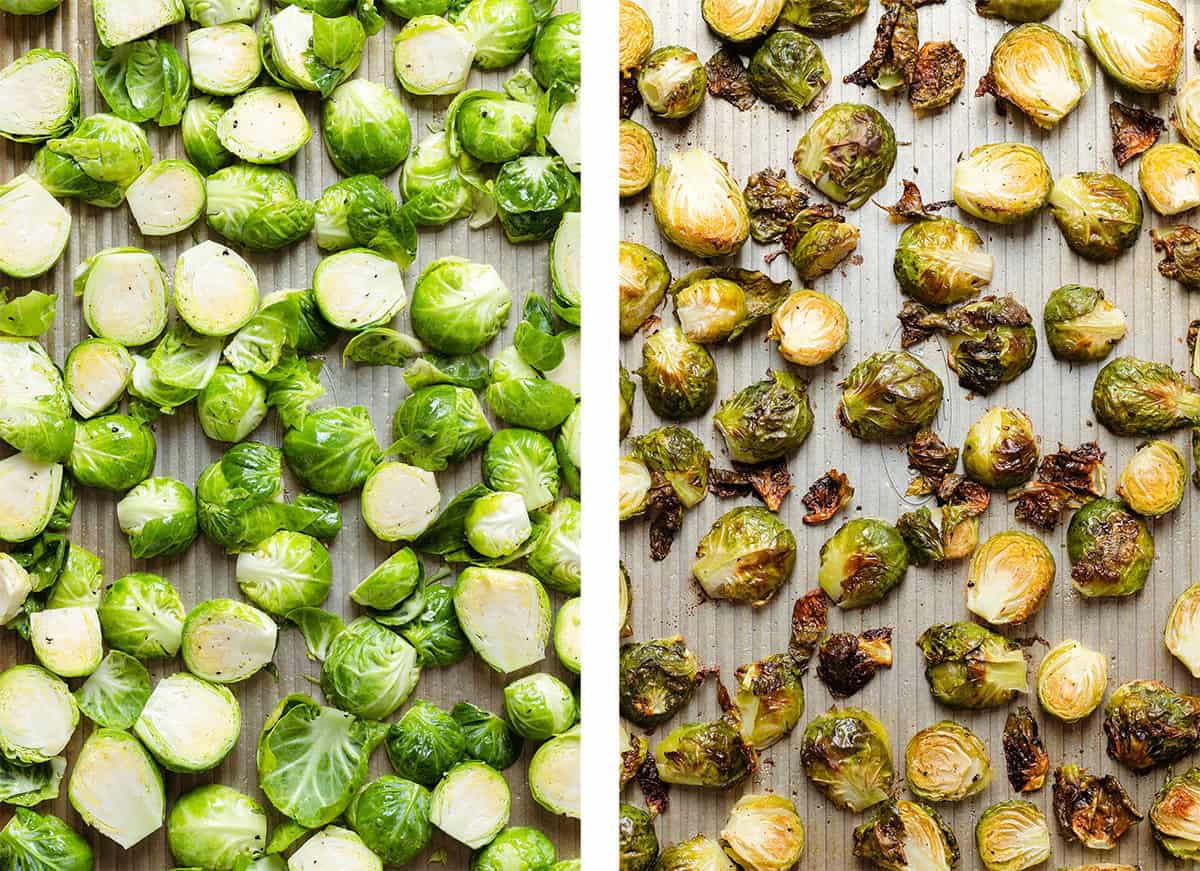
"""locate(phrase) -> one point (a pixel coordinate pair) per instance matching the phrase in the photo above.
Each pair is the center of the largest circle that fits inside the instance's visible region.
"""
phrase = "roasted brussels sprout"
(937, 77)
(1096, 811)
(637, 37)
(1111, 550)
(862, 562)
(810, 328)
(1181, 254)
(946, 762)
(847, 153)
(763, 833)
(1099, 214)
(679, 376)
(941, 262)
(767, 420)
(1012, 836)
(773, 203)
(746, 556)
(739, 21)
(1138, 397)
(817, 240)
(905, 836)
(847, 662)
(716, 304)
(1081, 325)
(1182, 632)
(657, 678)
(1010, 578)
(1005, 182)
(788, 70)
(1071, 681)
(1186, 117)
(769, 699)
(991, 340)
(1000, 450)
(672, 81)
(1169, 174)
(705, 754)
(1017, 11)
(1154, 479)
(1139, 43)
(644, 278)
(698, 206)
(969, 666)
(847, 755)
(700, 853)
(889, 395)
(1025, 758)
(1040, 72)
(633, 488)
(1175, 816)
(1148, 724)
(638, 849)
(822, 17)
(638, 158)
(677, 456)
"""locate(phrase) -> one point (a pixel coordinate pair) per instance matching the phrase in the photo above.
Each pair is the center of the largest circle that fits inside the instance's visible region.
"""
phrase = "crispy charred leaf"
(922, 536)
(728, 79)
(894, 55)
(1134, 130)
(633, 757)
(667, 519)
(938, 76)
(770, 482)
(917, 323)
(1196, 455)
(846, 663)
(810, 615)
(958, 491)
(1181, 254)
(655, 793)
(729, 483)
(932, 460)
(1096, 811)
(773, 204)
(631, 97)
(1066, 479)
(1149, 724)
(828, 495)
(910, 206)
(1024, 753)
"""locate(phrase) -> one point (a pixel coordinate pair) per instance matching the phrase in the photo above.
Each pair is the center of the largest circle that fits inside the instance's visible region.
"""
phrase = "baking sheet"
(205, 572)
(1031, 260)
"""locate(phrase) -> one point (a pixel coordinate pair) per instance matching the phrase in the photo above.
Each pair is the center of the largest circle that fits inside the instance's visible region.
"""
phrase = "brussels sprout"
(1180, 250)
(817, 241)
(644, 278)
(1186, 117)
(43, 843)
(459, 306)
(862, 562)
(1182, 632)
(116, 787)
(746, 556)
(311, 52)
(1137, 397)
(365, 129)
(638, 849)
(847, 153)
(143, 81)
(1148, 724)
(540, 706)
(392, 817)
(257, 206)
(439, 425)
(810, 328)
(334, 450)
(968, 666)
(38, 716)
(118, 23)
(189, 724)
(341, 284)
(71, 167)
(41, 96)
(1000, 450)
(141, 615)
(522, 461)
(531, 403)
(167, 198)
(29, 492)
(788, 70)
(1012, 836)
(672, 82)
(763, 832)
(497, 524)
(1169, 174)
(505, 614)
(633, 488)
(231, 405)
(439, 187)
(360, 212)
(765, 421)
(679, 376)
(337, 847)
(737, 22)
(391, 582)
(946, 762)
(638, 158)
(113, 452)
(115, 693)
(399, 501)
(710, 754)
(216, 291)
(937, 76)
(1139, 43)
(213, 826)
(568, 628)
(1024, 753)
(717, 304)
(490, 127)
(1081, 325)
(847, 662)
(1111, 550)
(200, 140)
(29, 7)
(502, 30)
(637, 37)
(700, 853)
(676, 455)
(124, 294)
(1017, 11)
(369, 671)
(555, 54)
(24, 206)
(489, 739)
(470, 803)
(698, 206)
(657, 678)
(1005, 182)
(532, 196)
(1099, 214)
(941, 262)
(847, 755)
(769, 699)
(1071, 681)
(554, 554)
(890, 394)
(224, 58)
(67, 640)
(1153, 480)
(1010, 578)
(435, 632)
(516, 847)
(1041, 73)
(287, 570)
(554, 774)
(906, 835)
(432, 57)
(1174, 815)
(822, 17)
(425, 743)
(225, 641)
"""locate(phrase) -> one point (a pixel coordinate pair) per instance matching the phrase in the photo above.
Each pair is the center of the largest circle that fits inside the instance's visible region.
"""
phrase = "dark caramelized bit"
(846, 663)
(1134, 130)
(728, 483)
(668, 518)
(932, 460)
(1066, 479)
(938, 76)
(917, 323)
(910, 206)
(810, 615)
(771, 483)
(655, 793)
(894, 53)
(1096, 811)
(1024, 753)
(828, 495)
(773, 203)
(631, 97)
(728, 79)
(632, 758)
(1181, 254)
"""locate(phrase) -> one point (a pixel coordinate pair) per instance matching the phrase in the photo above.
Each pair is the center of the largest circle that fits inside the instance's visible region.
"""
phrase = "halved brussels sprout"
(540, 706)
(1004, 182)
(38, 715)
(399, 501)
(568, 629)
(638, 158)
(1186, 116)
(439, 187)
(532, 194)
(287, 570)
(118, 22)
(847, 153)
(226, 641)
(522, 461)
(1099, 214)
(29, 7)
(816, 241)
(1138, 397)
(1017, 11)
(213, 826)
(698, 206)
(679, 376)
(333, 450)
(502, 30)
(216, 291)
(1012, 836)
(39, 96)
(505, 615)
(231, 405)
(680, 458)
(763, 833)
(1182, 632)
(67, 640)
(1071, 681)
(810, 328)
(746, 556)
(15, 587)
(34, 407)
(224, 59)
(72, 167)
(299, 54)
(141, 615)
(946, 762)
(1111, 550)
(555, 773)
(29, 492)
(167, 198)
(556, 52)
(769, 699)
(114, 452)
(264, 125)
(1169, 174)
(657, 678)
(1081, 325)
(34, 228)
(555, 553)
(432, 57)
(1000, 450)
(257, 206)
(716, 304)
(1139, 43)
(358, 288)
(471, 803)
(391, 815)
(1010, 577)
(124, 294)
(941, 262)
(490, 126)
(200, 140)
(694, 853)
(847, 755)
(565, 268)
(643, 279)
(788, 70)
(116, 787)
(969, 666)
(740, 21)
(766, 421)
(907, 835)
(1148, 724)
(1154, 479)
(497, 524)
(633, 488)
(638, 848)
(937, 77)
(1037, 70)
(889, 395)
(1175, 816)
(712, 754)
(862, 562)
(369, 670)
(438, 426)
(489, 739)
(637, 37)
(335, 847)
(189, 724)
(1025, 755)
(458, 306)
(516, 847)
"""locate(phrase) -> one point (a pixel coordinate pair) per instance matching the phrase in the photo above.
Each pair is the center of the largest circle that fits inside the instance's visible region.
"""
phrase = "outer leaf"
(116, 692)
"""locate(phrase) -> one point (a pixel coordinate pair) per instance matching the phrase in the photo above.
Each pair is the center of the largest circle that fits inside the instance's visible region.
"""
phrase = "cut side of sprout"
(335, 847)
(568, 625)
(432, 56)
(505, 615)
(216, 291)
(38, 714)
(291, 38)
(399, 501)
(226, 641)
(568, 372)
(117, 788)
(224, 60)
(554, 774)
(358, 288)
(15, 587)
(471, 803)
(122, 21)
(189, 724)
(34, 228)
(67, 641)
(566, 136)
(167, 198)
(124, 295)
(565, 260)
(96, 375)
(39, 96)
(264, 125)
(28, 493)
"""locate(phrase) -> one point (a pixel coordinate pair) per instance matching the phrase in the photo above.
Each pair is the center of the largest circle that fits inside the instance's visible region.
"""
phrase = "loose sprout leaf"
(728, 79)
(30, 785)
(910, 206)
(284, 836)
(1024, 754)
(29, 315)
(461, 370)
(828, 495)
(381, 346)
(894, 54)
(318, 628)
(773, 204)
(293, 387)
(115, 693)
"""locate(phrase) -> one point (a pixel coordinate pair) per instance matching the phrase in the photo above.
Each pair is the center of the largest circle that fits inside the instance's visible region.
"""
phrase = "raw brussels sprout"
(1139, 43)
(1000, 450)
(746, 556)
(216, 291)
(471, 803)
(700, 853)
(257, 206)
(889, 395)
(788, 70)
(115, 693)
(141, 615)
(36, 228)
(502, 30)
(167, 198)
(310, 52)
(1071, 681)
(717, 304)
(1010, 577)
(769, 699)
(489, 739)
(810, 328)
(29, 493)
(1137, 397)
(29, 7)
(497, 524)
(1024, 753)
(1148, 724)
(43, 843)
(1182, 632)
(391, 815)
(555, 54)
(117, 23)
(522, 461)
(199, 128)
(369, 671)
(1175, 814)
(35, 410)
(644, 278)
(847, 755)
(540, 706)
(637, 37)
(711, 755)
(515, 847)
(1012, 836)
(862, 562)
(341, 282)
(287, 570)
(816, 241)
(946, 762)
(554, 554)
(532, 194)
(71, 167)
(1041, 73)
(391, 582)
(336, 847)
(334, 450)
(763, 832)
(906, 835)
(638, 849)
(1017, 11)
(189, 724)
(213, 826)
(365, 128)
(459, 306)
(439, 187)
(1081, 325)
(231, 405)
(672, 82)
(568, 634)
(766, 421)
(399, 501)
(847, 153)
(124, 294)
(438, 426)
(67, 640)
(432, 57)
(226, 641)
(968, 666)
(738, 21)
(505, 615)
(41, 100)
(638, 158)
(1099, 214)
(116, 787)
(1169, 174)
(143, 81)
(360, 212)
(679, 377)
(489, 126)
(1004, 182)
(657, 678)
(1111, 550)
(698, 206)
(114, 452)
(224, 58)
(555, 773)
(38, 715)
(941, 262)
(1154, 479)
(531, 403)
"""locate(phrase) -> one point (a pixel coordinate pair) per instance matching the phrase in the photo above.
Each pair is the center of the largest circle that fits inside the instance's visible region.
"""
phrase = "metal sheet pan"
(1031, 261)
(205, 572)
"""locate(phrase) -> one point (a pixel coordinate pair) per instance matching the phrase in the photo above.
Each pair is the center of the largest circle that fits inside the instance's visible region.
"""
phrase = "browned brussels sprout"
(810, 615)
(1081, 325)
(862, 562)
(1148, 724)
(847, 755)
(946, 762)
(767, 420)
(1134, 131)
(828, 495)
(700, 853)
(847, 153)
(633, 488)
(788, 70)
(679, 376)
(1017, 11)
(1169, 174)
(728, 79)
(705, 754)
(773, 203)
(1181, 254)
(1002, 182)
(740, 21)
(1071, 681)
(991, 341)
(1175, 816)
(770, 699)
(822, 17)
(810, 328)
(1000, 450)
(1066, 479)
(1154, 479)
(657, 678)
(639, 844)
(921, 536)
(889, 395)
(698, 206)
(906, 836)
(938, 77)
(746, 556)
(818, 240)
(1037, 70)
(1010, 577)
(638, 158)
(846, 662)
(1138, 397)
(1012, 836)
(968, 666)
(1025, 758)
(894, 52)
(1099, 214)
(940, 262)
(1096, 811)
(1139, 43)
(716, 304)
(627, 389)
(643, 277)
(672, 81)
(637, 37)
(1182, 632)
(764, 833)
(1111, 550)
(678, 457)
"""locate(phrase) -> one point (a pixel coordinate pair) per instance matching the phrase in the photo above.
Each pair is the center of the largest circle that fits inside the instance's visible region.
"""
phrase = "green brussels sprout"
(532, 194)
(200, 140)
(360, 212)
(1180, 634)
(223, 58)
(71, 167)
(568, 634)
(497, 524)
(1168, 176)
(391, 815)
(29, 7)
(554, 554)
(1138, 397)
(167, 198)
(1139, 43)
(365, 129)
(38, 715)
(554, 775)
(31, 489)
(700, 853)
(369, 671)
(810, 328)
(1010, 577)
(746, 556)
(636, 37)
(113, 452)
(822, 17)
(1180, 251)
(488, 738)
(555, 54)
(946, 762)
(969, 666)
(889, 395)
(333, 845)
(638, 849)
(141, 614)
(1153, 480)
(676, 455)
(1000, 450)
(698, 206)
(769, 699)
(713, 755)
(48, 106)
(489, 126)
(432, 56)
(1012, 836)
(435, 633)
(333, 450)
(736, 22)
(34, 842)
(847, 153)
(847, 755)
(817, 240)
(763, 832)
(672, 82)
(540, 706)
(459, 306)
(862, 562)
(287, 570)
(906, 835)
(1004, 182)
(159, 516)
(226, 641)
(471, 803)
(201, 270)
(531, 403)
(679, 376)
(516, 847)
(1017, 11)
(257, 206)
(1173, 816)
(1148, 724)
(1099, 214)
(116, 787)
(505, 614)
(24, 206)
(657, 679)
(439, 425)
(117, 23)
(399, 501)
(310, 52)
(1041, 73)
(767, 420)
(213, 826)
(941, 262)
(1110, 548)
(143, 81)
(502, 30)
(522, 461)
(264, 125)
(638, 158)
(231, 405)
(35, 410)
(189, 725)
(439, 187)
(1186, 117)
(566, 268)
(568, 446)
(1071, 681)
(124, 294)
(1081, 325)
(788, 70)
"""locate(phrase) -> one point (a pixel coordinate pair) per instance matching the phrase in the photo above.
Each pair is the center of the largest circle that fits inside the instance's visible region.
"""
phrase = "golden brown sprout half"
(740, 21)
(698, 206)
(1037, 70)
(1175, 816)
(1096, 811)
(1169, 174)
(763, 833)
(810, 328)
(1071, 681)
(1011, 574)
(637, 36)
(638, 157)
(946, 762)
(1139, 43)
(643, 278)
(1003, 182)
(1154, 479)
(1012, 836)
(1182, 633)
